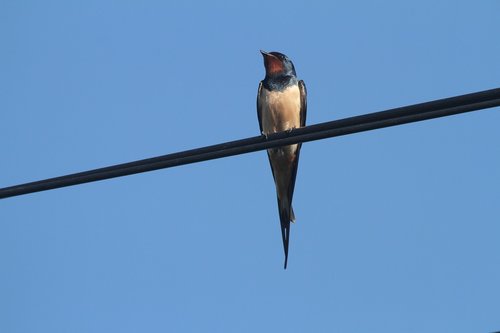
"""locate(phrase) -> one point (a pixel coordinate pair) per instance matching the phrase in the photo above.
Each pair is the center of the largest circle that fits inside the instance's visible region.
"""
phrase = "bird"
(282, 106)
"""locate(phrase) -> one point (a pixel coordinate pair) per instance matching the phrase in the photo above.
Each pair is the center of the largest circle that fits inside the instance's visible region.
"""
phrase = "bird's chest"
(280, 109)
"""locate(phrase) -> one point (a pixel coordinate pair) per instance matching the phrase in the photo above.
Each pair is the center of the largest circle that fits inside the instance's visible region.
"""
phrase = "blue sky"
(397, 229)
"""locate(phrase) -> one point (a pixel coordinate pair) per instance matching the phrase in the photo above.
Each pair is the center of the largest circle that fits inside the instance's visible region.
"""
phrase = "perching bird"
(282, 106)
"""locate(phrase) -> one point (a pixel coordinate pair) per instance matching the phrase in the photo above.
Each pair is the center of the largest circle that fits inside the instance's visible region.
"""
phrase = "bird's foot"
(264, 134)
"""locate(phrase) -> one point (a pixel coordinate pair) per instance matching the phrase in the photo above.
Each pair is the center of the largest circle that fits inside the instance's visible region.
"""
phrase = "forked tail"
(286, 216)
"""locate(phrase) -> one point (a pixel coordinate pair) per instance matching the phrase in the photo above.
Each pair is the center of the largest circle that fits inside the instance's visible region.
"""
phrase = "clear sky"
(397, 229)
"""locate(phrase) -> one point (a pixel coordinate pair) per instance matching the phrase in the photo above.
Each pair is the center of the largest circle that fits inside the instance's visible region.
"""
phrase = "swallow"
(282, 106)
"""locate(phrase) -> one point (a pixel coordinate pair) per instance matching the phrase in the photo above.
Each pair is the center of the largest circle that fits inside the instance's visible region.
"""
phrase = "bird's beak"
(267, 54)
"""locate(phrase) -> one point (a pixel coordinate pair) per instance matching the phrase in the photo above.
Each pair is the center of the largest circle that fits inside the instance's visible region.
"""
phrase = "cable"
(393, 117)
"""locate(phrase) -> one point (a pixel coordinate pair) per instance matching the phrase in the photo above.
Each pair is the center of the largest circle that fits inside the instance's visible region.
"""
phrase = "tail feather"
(286, 214)
(285, 234)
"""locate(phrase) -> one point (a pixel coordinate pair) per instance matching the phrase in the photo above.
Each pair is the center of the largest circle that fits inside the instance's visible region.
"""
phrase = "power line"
(393, 117)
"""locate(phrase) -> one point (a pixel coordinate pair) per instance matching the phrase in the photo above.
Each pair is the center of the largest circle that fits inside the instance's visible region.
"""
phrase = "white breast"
(280, 110)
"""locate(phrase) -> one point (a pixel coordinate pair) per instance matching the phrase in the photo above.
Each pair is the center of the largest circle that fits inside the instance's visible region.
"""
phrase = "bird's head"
(277, 64)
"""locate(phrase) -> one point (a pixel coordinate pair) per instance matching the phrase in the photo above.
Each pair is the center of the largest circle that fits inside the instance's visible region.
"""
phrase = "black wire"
(398, 116)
